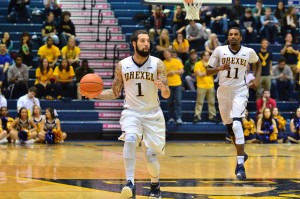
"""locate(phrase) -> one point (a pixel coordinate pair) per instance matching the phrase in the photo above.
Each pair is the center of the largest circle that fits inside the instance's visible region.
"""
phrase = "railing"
(100, 19)
(93, 4)
(115, 57)
(107, 39)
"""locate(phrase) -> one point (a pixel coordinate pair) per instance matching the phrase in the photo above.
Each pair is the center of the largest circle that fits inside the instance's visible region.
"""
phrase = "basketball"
(188, 1)
(91, 85)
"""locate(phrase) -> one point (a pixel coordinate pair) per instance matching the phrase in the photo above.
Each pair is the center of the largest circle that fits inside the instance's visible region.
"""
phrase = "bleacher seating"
(101, 117)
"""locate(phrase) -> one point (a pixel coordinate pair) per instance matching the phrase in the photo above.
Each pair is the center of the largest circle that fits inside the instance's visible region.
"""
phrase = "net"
(192, 8)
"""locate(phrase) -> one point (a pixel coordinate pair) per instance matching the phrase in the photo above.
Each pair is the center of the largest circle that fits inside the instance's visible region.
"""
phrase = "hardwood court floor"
(94, 170)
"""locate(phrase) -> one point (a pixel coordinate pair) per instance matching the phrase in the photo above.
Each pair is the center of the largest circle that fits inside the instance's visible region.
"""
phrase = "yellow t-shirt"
(64, 75)
(173, 64)
(185, 45)
(49, 53)
(70, 53)
(206, 82)
(44, 76)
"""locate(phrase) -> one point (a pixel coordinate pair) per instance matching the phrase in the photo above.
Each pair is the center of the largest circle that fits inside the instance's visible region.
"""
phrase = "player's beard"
(142, 53)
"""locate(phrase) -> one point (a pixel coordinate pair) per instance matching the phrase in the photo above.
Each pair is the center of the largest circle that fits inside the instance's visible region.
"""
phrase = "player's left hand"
(253, 84)
(159, 84)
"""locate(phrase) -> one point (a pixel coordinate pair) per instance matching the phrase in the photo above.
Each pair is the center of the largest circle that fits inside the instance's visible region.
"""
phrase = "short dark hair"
(281, 59)
(48, 38)
(264, 39)
(235, 28)
(65, 13)
(33, 89)
(134, 36)
(18, 55)
(202, 54)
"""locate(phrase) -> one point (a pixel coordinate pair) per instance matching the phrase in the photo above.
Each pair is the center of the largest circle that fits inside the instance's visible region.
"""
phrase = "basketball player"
(231, 61)
(142, 118)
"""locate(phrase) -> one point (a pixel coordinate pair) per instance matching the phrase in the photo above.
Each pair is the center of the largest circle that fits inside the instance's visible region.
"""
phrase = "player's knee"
(238, 132)
(131, 138)
(151, 155)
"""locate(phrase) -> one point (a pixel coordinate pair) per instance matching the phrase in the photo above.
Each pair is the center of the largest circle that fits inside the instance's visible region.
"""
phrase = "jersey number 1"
(235, 75)
(139, 89)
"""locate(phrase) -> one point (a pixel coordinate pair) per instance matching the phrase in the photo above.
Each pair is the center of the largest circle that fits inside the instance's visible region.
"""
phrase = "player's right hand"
(224, 67)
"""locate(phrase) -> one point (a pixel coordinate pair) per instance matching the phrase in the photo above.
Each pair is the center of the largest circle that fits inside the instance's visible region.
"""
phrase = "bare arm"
(258, 126)
(58, 127)
(292, 126)
(275, 130)
(162, 82)
(215, 70)
(116, 88)
(13, 124)
(257, 71)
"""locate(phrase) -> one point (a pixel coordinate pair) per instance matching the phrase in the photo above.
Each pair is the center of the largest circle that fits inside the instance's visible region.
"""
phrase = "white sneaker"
(179, 121)
(31, 141)
(3, 141)
(17, 141)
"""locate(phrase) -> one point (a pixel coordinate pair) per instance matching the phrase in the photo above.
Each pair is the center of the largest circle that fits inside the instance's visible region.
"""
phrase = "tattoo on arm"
(117, 86)
(162, 76)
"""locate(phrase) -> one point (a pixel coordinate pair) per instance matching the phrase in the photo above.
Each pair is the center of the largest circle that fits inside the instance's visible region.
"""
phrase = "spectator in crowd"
(174, 55)
(290, 53)
(265, 57)
(5, 119)
(17, 8)
(28, 100)
(23, 123)
(282, 80)
(258, 12)
(212, 43)
(235, 13)
(5, 39)
(174, 69)
(249, 128)
(71, 52)
(44, 80)
(25, 49)
(5, 59)
(181, 46)
(50, 52)
(54, 7)
(52, 123)
(280, 124)
(18, 76)
(248, 26)
(189, 69)
(162, 43)
(205, 89)
(270, 26)
(219, 23)
(264, 102)
(64, 74)
(279, 12)
(179, 22)
(37, 118)
(294, 135)
(3, 101)
(67, 29)
(80, 72)
(49, 29)
(157, 23)
(266, 128)
(196, 34)
(290, 23)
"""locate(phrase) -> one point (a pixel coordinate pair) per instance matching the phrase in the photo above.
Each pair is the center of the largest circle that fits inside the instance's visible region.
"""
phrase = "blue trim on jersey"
(139, 65)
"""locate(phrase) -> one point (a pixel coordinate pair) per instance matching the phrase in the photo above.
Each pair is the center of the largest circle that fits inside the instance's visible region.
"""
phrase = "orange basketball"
(91, 85)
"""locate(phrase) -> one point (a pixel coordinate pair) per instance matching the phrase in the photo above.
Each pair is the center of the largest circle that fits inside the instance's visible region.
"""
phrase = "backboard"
(178, 2)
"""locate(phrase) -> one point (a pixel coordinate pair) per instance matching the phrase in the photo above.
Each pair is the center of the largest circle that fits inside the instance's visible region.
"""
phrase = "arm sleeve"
(214, 58)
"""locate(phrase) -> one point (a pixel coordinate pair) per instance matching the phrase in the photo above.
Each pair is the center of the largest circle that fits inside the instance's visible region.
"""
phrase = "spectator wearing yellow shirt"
(174, 69)
(44, 75)
(71, 52)
(50, 52)
(181, 46)
(64, 74)
(205, 89)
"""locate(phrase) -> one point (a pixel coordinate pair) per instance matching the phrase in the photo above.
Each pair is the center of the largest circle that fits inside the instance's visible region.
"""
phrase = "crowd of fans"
(178, 44)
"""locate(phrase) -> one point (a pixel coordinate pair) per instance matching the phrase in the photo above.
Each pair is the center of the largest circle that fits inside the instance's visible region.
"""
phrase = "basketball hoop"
(192, 8)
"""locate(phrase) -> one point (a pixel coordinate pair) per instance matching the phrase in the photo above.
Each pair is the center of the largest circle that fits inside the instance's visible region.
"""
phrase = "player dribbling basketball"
(142, 118)
(231, 61)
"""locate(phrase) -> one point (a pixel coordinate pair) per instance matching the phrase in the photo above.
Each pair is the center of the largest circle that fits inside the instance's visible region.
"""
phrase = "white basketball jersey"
(238, 61)
(140, 90)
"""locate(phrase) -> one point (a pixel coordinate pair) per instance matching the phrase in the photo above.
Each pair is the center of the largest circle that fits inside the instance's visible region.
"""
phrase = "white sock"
(129, 160)
(153, 169)
(240, 159)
